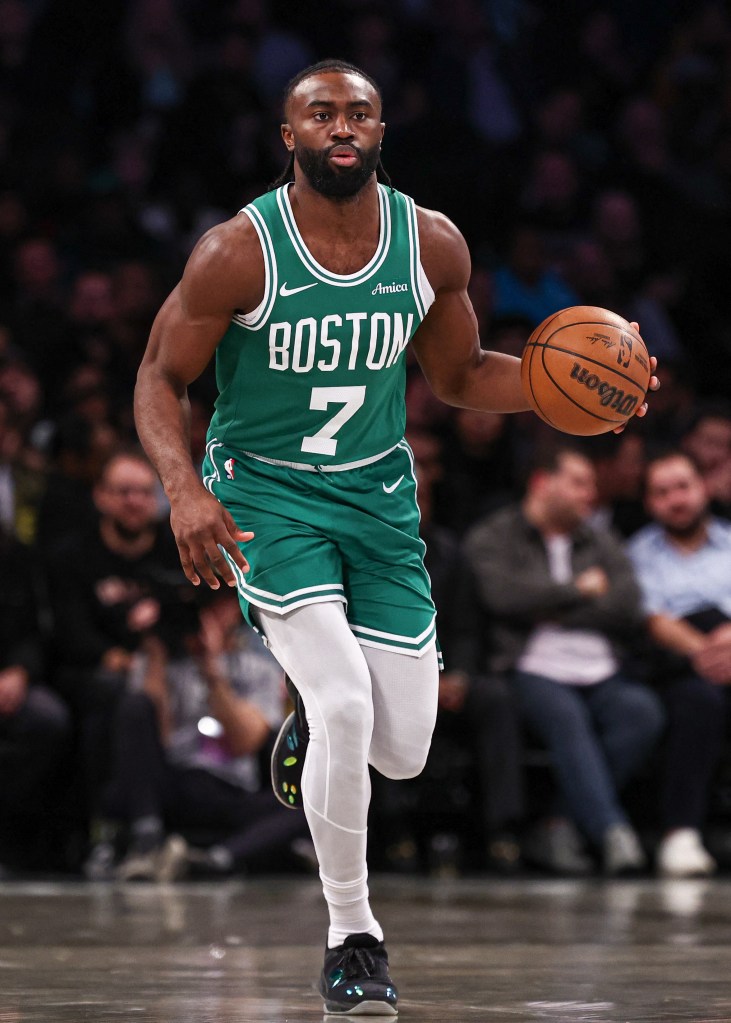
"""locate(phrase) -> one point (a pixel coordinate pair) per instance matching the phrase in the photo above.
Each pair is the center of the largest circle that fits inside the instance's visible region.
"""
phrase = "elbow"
(451, 392)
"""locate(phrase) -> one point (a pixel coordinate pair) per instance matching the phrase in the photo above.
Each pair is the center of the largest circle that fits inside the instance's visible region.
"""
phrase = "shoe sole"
(362, 1009)
(675, 875)
(274, 765)
(173, 862)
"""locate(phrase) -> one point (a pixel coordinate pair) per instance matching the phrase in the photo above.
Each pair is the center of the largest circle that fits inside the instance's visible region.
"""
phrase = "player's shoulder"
(444, 252)
(436, 228)
(232, 239)
(226, 266)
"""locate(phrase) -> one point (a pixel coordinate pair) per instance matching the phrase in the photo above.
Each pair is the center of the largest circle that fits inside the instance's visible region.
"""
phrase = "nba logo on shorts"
(229, 467)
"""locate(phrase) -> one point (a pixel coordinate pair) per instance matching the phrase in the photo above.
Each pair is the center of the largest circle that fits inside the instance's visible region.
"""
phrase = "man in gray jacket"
(563, 606)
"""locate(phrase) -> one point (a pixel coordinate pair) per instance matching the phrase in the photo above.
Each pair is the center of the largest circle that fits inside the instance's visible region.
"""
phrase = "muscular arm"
(447, 343)
(224, 273)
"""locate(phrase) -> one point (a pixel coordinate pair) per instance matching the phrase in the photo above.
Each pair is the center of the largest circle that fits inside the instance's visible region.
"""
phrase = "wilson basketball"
(585, 370)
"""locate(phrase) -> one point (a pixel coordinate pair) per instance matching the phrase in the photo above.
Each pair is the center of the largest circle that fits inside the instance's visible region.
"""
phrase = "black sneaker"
(355, 980)
(288, 755)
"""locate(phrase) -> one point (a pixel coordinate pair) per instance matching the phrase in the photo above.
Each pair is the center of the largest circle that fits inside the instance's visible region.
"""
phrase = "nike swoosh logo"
(284, 291)
(390, 490)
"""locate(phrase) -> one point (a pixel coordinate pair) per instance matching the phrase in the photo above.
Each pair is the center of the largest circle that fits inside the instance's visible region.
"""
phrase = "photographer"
(188, 738)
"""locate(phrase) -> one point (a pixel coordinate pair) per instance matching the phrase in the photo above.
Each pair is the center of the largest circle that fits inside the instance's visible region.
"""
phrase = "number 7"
(351, 398)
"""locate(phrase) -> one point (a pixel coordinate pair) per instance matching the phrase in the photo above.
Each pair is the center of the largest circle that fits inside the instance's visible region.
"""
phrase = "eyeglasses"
(130, 491)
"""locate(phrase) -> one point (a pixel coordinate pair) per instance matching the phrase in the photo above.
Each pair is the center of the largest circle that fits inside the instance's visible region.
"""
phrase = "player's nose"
(341, 128)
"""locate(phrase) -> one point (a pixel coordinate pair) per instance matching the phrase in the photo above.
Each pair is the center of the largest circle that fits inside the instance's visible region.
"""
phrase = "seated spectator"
(35, 725)
(563, 603)
(110, 584)
(525, 284)
(683, 562)
(77, 452)
(478, 475)
(477, 716)
(708, 442)
(21, 483)
(187, 737)
(620, 464)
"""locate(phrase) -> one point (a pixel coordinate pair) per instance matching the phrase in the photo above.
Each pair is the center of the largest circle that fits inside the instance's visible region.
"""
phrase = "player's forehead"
(338, 87)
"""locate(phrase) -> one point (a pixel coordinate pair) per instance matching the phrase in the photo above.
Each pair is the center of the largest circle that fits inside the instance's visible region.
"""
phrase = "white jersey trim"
(316, 269)
(259, 316)
(375, 634)
(423, 291)
(395, 649)
(215, 476)
(306, 467)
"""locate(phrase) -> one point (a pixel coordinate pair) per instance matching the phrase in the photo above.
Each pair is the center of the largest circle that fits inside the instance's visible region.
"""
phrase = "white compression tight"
(364, 705)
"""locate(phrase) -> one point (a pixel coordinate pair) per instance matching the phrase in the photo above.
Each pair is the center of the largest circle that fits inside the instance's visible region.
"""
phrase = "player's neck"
(344, 218)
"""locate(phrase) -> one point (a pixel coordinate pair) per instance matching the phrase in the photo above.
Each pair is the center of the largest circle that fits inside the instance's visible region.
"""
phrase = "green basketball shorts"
(350, 535)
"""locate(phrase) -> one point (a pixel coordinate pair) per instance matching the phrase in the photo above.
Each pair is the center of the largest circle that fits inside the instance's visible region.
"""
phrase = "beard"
(337, 182)
(129, 533)
(687, 529)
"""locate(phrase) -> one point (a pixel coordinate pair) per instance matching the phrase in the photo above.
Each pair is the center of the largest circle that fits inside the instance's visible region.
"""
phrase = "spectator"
(674, 409)
(35, 726)
(525, 284)
(110, 585)
(683, 562)
(187, 741)
(708, 442)
(77, 452)
(563, 605)
(619, 463)
(478, 475)
(21, 485)
(37, 313)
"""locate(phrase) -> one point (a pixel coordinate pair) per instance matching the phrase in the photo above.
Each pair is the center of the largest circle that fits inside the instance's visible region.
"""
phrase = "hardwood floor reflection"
(249, 952)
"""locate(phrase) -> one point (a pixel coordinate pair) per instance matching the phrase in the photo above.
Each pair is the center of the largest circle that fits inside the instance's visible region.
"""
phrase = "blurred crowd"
(584, 150)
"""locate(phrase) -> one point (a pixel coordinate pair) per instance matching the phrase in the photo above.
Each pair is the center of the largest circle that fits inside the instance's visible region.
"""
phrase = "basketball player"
(308, 502)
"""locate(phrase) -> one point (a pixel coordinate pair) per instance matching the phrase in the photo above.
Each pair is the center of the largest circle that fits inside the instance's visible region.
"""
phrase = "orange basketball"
(585, 370)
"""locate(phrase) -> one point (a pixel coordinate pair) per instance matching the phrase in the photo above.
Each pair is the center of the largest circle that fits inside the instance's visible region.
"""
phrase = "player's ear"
(287, 135)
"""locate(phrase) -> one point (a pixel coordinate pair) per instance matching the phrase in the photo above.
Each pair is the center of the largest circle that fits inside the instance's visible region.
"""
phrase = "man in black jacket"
(564, 606)
(110, 586)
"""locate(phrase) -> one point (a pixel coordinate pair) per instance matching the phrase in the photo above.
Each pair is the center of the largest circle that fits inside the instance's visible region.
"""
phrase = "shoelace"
(358, 961)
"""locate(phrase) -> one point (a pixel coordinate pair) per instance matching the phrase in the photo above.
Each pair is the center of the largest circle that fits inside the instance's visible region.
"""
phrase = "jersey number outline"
(351, 398)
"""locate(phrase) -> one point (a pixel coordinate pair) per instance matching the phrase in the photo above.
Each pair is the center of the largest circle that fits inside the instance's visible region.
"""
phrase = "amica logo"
(389, 289)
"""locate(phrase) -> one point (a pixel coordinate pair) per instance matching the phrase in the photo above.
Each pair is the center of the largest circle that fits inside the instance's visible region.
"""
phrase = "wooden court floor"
(248, 951)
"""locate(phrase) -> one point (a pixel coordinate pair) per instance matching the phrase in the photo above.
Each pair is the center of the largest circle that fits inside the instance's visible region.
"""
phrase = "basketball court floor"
(249, 951)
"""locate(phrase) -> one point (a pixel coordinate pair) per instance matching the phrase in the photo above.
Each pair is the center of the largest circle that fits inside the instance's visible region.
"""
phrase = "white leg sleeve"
(318, 651)
(405, 694)
(363, 705)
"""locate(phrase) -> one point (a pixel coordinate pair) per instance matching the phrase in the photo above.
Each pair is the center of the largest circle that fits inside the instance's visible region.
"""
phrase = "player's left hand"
(653, 385)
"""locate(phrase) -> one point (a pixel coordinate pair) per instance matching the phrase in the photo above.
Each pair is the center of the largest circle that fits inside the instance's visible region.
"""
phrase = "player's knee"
(349, 719)
(401, 764)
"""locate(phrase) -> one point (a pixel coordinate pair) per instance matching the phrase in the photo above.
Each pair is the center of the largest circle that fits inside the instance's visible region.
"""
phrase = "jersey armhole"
(427, 291)
(422, 289)
(258, 317)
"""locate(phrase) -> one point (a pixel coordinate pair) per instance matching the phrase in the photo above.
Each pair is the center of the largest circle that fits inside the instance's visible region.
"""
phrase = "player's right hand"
(202, 528)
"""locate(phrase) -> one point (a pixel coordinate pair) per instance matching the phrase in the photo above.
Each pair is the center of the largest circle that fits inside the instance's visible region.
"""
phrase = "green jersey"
(315, 375)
